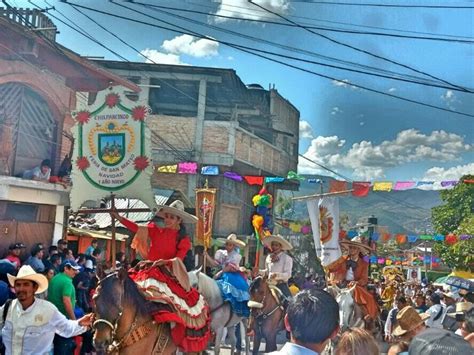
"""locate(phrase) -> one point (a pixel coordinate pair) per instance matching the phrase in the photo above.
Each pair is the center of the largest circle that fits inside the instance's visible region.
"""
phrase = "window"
(23, 212)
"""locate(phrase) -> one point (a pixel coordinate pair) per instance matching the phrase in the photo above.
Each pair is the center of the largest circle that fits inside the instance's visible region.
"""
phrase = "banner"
(112, 150)
(205, 207)
(324, 216)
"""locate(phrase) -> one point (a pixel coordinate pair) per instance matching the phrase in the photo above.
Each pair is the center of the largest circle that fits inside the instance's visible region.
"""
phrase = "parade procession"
(160, 195)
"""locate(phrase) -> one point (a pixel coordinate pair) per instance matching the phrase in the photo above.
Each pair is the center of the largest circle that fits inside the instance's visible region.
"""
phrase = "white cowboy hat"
(357, 243)
(461, 307)
(26, 272)
(232, 238)
(177, 208)
(285, 245)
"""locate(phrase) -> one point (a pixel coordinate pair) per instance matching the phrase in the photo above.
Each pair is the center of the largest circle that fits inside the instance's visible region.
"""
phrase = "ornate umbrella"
(460, 283)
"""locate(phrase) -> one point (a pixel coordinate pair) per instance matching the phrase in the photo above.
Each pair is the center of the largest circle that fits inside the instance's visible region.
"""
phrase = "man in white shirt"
(436, 312)
(30, 322)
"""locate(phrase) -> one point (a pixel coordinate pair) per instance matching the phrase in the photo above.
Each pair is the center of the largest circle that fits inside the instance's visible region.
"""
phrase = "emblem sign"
(112, 150)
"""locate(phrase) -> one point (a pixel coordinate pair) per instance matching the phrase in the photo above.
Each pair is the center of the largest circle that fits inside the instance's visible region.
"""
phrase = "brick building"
(209, 116)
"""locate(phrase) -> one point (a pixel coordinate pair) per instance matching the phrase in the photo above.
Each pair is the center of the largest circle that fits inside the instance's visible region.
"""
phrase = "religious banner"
(205, 207)
(324, 216)
(112, 150)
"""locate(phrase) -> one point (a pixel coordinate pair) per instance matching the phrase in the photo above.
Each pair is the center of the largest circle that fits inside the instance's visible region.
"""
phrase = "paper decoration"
(168, 169)
(360, 189)
(438, 237)
(401, 238)
(314, 181)
(187, 168)
(468, 181)
(412, 238)
(352, 234)
(424, 183)
(233, 176)
(295, 227)
(404, 185)
(381, 261)
(337, 186)
(375, 237)
(383, 186)
(294, 176)
(426, 237)
(464, 237)
(254, 180)
(306, 229)
(210, 170)
(274, 179)
(451, 239)
(386, 237)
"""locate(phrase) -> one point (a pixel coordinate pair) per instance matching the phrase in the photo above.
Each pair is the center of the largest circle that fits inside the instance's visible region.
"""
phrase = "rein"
(262, 316)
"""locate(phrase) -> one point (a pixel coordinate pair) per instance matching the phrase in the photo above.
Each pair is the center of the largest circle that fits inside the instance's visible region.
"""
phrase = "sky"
(344, 125)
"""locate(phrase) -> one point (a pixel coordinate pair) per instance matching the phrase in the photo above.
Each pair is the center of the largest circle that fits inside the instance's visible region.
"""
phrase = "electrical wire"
(461, 7)
(362, 50)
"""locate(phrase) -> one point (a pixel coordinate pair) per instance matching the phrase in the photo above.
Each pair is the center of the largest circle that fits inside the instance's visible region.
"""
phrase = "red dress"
(187, 309)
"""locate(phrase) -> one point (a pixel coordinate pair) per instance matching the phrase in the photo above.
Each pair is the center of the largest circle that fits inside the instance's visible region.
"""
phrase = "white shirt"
(224, 258)
(294, 349)
(281, 268)
(31, 331)
(433, 312)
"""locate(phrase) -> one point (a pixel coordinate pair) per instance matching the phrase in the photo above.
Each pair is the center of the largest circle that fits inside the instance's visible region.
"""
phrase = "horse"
(266, 316)
(221, 312)
(124, 324)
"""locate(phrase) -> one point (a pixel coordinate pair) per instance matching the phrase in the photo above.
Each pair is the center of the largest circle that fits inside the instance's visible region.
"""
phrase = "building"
(38, 85)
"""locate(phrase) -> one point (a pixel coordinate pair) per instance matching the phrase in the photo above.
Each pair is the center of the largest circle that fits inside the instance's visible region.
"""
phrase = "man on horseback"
(165, 281)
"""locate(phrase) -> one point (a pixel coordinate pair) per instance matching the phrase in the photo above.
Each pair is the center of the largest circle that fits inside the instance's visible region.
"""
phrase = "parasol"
(460, 283)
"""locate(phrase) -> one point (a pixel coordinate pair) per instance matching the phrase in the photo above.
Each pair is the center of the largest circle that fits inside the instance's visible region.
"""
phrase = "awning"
(95, 234)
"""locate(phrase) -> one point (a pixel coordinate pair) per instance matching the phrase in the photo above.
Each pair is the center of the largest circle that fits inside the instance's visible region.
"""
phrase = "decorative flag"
(412, 238)
(233, 176)
(210, 170)
(254, 180)
(401, 238)
(352, 234)
(404, 185)
(168, 169)
(468, 181)
(324, 216)
(383, 186)
(450, 183)
(205, 207)
(274, 179)
(187, 168)
(375, 237)
(337, 186)
(386, 237)
(424, 184)
(464, 237)
(295, 227)
(438, 237)
(426, 237)
(294, 176)
(360, 189)
(314, 181)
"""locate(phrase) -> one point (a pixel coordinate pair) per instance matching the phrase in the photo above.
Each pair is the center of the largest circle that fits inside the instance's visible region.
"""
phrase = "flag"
(168, 169)
(210, 170)
(254, 180)
(360, 189)
(273, 179)
(467, 181)
(187, 168)
(324, 216)
(294, 176)
(404, 185)
(233, 176)
(205, 207)
(383, 186)
(450, 183)
(337, 186)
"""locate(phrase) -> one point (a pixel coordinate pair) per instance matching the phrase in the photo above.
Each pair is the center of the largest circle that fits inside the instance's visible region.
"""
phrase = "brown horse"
(123, 322)
(266, 315)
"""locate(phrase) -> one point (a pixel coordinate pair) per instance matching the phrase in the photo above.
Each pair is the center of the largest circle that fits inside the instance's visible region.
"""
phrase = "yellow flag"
(383, 186)
(168, 169)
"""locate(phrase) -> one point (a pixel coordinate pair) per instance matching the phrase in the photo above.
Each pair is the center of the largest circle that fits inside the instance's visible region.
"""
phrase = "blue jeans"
(63, 346)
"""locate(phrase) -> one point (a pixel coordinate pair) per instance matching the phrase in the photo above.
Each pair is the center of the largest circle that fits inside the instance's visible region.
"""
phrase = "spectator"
(69, 255)
(420, 303)
(438, 341)
(63, 295)
(14, 252)
(40, 173)
(398, 348)
(52, 250)
(95, 256)
(81, 261)
(357, 341)
(466, 330)
(82, 282)
(401, 303)
(36, 258)
(91, 247)
(62, 246)
(449, 299)
(436, 312)
(409, 323)
(312, 319)
(19, 334)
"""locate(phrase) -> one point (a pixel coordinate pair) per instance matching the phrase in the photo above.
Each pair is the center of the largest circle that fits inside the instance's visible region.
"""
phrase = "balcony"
(31, 18)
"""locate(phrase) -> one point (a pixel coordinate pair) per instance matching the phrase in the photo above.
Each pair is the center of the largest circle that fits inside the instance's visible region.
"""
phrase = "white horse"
(221, 312)
(350, 313)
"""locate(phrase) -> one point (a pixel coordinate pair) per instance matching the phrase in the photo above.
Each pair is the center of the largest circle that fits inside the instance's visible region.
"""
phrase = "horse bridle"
(262, 316)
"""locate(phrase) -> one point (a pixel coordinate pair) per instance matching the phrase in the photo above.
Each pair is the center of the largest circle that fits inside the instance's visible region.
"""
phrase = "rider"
(278, 264)
(166, 281)
(231, 281)
(357, 272)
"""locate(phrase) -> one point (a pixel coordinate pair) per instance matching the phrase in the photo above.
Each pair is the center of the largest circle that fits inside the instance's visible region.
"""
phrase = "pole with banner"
(205, 208)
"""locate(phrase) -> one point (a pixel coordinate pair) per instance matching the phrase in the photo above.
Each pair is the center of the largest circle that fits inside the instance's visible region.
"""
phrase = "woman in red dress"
(165, 281)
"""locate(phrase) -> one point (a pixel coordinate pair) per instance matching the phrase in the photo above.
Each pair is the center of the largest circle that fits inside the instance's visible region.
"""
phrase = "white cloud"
(454, 173)
(190, 45)
(306, 131)
(230, 58)
(361, 123)
(392, 90)
(450, 99)
(344, 83)
(156, 56)
(245, 10)
(369, 161)
(336, 110)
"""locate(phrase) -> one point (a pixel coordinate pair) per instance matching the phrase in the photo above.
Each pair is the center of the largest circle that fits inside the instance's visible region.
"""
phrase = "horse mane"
(256, 283)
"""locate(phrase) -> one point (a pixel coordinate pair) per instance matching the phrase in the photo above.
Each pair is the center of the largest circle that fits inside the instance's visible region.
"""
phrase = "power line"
(339, 30)
(462, 7)
(185, 31)
(362, 50)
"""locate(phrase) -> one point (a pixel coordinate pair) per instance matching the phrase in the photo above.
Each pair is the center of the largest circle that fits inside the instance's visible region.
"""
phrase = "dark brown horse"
(123, 322)
(266, 315)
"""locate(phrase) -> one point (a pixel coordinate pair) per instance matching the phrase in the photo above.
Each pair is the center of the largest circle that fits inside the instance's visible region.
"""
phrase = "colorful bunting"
(233, 176)
(337, 186)
(383, 186)
(468, 181)
(424, 183)
(294, 176)
(375, 237)
(187, 168)
(426, 237)
(404, 185)
(210, 170)
(168, 169)
(360, 189)
(274, 179)
(412, 238)
(254, 180)
(450, 183)
(314, 181)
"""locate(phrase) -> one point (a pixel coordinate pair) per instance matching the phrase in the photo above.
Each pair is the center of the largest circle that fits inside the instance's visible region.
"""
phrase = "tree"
(456, 216)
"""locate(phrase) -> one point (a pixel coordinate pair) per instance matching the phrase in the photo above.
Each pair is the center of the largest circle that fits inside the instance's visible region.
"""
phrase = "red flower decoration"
(82, 163)
(141, 163)
(451, 239)
(112, 99)
(139, 113)
(83, 117)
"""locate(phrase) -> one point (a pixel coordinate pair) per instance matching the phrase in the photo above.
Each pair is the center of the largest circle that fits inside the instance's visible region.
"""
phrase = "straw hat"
(232, 238)
(462, 307)
(356, 243)
(26, 272)
(408, 319)
(285, 245)
(177, 208)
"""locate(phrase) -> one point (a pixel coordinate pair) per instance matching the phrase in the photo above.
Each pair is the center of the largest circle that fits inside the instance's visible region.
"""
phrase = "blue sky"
(363, 135)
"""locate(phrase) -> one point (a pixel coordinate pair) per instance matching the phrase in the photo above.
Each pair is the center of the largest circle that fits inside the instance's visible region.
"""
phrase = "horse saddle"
(279, 296)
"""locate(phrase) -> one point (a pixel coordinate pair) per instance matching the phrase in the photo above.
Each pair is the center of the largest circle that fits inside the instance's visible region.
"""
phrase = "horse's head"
(346, 303)
(194, 278)
(108, 308)
(258, 292)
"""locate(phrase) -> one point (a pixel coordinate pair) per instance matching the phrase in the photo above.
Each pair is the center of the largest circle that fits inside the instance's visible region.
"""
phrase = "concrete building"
(209, 116)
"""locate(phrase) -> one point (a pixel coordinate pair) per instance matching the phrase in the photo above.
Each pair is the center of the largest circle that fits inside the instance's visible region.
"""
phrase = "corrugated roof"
(95, 234)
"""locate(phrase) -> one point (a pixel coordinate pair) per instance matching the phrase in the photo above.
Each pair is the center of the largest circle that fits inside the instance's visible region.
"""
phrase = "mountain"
(407, 212)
